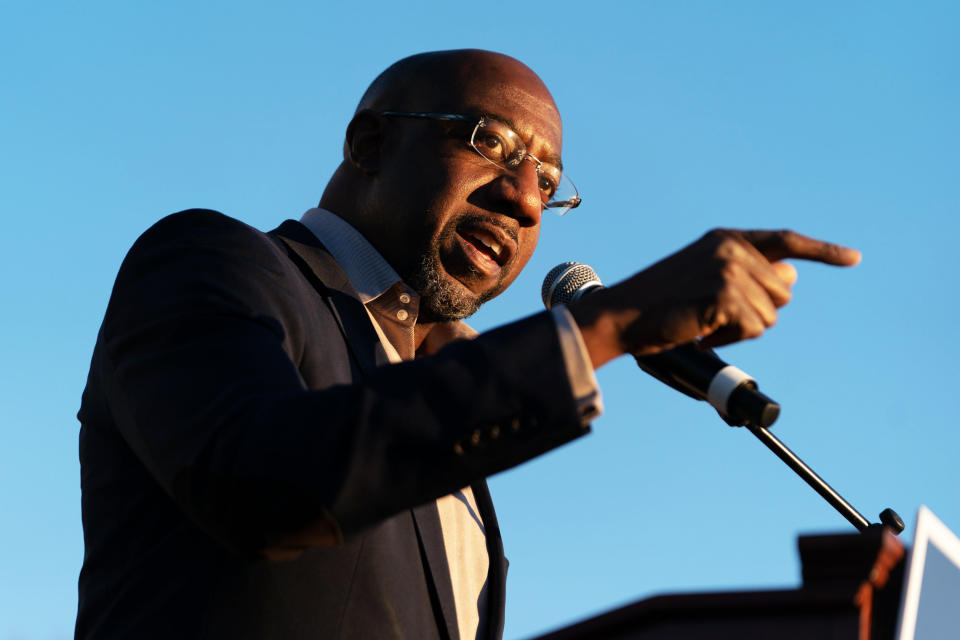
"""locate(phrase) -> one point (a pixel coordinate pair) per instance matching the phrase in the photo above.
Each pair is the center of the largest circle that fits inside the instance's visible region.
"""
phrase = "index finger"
(777, 245)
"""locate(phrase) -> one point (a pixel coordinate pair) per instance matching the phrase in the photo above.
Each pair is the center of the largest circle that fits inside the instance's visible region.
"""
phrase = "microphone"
(689, 368)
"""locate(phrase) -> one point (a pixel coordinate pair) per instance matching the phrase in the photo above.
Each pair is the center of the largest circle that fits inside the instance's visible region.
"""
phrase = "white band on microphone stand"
(723, 384)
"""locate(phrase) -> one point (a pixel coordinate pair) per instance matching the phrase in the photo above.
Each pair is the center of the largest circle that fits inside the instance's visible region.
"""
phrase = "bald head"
(443, 80)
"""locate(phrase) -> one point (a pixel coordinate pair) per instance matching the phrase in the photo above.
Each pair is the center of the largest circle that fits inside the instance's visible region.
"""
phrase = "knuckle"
(719, 236)
(789, 238)
(727, 249)
(730, 273)
(832, 252)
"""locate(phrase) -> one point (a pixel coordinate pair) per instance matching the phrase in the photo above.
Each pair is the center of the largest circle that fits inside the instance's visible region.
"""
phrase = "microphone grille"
(566, 282)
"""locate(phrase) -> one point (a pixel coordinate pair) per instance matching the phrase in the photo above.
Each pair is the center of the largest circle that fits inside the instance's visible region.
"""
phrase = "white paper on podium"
(930, 603)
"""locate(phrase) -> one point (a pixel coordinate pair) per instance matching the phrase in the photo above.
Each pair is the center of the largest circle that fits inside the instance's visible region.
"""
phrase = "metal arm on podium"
(758, 427)
(888, 516)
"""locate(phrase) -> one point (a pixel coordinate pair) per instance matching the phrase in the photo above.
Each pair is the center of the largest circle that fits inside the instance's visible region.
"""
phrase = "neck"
(421, 331)
(433, 336)
(341, 196)
(345, 196)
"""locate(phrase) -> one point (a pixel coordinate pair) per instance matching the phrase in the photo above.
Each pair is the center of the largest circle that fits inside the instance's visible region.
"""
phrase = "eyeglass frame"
(565, 206)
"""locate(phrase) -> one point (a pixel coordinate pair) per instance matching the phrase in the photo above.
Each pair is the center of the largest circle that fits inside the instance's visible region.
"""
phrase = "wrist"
(600, 332)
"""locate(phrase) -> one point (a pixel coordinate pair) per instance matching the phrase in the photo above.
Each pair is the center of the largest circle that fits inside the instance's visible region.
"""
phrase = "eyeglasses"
(500, 145)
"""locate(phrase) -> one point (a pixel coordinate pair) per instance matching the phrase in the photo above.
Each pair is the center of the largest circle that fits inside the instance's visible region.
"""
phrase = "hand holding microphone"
(725, 287)
(720, 289)
(690, 369)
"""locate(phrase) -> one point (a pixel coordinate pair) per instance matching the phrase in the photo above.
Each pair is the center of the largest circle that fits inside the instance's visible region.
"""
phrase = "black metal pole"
(811, 478)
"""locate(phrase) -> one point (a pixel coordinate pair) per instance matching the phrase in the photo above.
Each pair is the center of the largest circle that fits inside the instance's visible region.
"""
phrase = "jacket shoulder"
(199, 223)
(179, 237)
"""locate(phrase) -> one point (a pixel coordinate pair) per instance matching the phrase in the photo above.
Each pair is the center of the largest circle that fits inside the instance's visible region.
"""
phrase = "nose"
(520, 189)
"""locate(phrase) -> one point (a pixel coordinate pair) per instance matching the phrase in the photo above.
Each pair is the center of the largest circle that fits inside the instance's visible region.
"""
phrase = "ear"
(364, 141)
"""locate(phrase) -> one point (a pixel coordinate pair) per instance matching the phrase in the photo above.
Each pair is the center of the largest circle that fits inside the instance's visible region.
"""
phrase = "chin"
(443, 298)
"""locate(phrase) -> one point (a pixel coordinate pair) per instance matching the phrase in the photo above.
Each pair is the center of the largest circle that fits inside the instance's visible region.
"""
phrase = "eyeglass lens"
(499, 144)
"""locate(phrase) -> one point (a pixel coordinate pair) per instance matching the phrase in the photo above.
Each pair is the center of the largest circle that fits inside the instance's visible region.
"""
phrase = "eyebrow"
(550, 157)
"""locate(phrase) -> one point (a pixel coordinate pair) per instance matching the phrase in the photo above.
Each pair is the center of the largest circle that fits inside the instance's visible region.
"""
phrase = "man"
(283, 435)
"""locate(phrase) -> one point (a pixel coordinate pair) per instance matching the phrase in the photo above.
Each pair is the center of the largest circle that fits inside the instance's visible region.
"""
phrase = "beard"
(442, 297)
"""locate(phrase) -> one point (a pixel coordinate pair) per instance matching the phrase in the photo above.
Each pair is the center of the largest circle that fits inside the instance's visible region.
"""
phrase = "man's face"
(458, 228)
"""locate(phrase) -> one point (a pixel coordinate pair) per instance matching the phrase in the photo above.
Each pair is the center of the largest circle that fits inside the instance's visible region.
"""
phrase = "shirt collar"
(368, 271)
(372, 276)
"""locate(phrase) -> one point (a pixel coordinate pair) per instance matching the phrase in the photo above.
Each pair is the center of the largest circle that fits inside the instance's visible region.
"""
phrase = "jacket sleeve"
(195, 366)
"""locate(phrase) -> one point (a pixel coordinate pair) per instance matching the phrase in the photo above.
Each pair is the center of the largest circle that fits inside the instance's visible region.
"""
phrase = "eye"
(547, 187)
(548, 180)
(491, 145)
(498, 143)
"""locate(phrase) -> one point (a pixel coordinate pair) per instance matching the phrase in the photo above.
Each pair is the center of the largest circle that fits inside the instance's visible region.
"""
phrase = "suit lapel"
(332, 283)
(427, 521)
(426, 518)
(497, 575)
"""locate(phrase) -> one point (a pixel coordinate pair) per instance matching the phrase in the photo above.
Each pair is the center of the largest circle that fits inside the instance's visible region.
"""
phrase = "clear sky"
(837, 119)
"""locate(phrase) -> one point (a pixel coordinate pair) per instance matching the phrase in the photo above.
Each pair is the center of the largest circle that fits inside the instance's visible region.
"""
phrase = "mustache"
(477, 219)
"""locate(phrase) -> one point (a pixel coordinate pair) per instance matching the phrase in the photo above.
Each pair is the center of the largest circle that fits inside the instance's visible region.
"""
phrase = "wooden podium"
(851, 590)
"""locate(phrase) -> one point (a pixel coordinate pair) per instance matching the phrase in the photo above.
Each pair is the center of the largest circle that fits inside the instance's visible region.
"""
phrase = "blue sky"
(836, 119)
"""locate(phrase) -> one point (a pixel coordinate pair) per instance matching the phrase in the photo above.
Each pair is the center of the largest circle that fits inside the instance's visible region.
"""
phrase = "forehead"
(502, 88)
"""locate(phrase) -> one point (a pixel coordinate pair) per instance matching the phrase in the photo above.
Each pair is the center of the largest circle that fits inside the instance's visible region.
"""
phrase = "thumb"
(786, 272)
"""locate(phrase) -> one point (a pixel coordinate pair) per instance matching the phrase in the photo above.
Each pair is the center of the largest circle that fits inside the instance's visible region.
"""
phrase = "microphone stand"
(888, 516)
(745, 405)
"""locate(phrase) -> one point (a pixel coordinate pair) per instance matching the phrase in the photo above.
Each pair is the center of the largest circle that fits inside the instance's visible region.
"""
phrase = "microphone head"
(566, 282)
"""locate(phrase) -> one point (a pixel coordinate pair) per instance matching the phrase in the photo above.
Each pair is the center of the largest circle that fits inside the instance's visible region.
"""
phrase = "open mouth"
(485, 244)
(493, 244)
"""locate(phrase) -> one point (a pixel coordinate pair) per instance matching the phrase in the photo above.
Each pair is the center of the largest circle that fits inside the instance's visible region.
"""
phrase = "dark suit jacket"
(251, 468)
